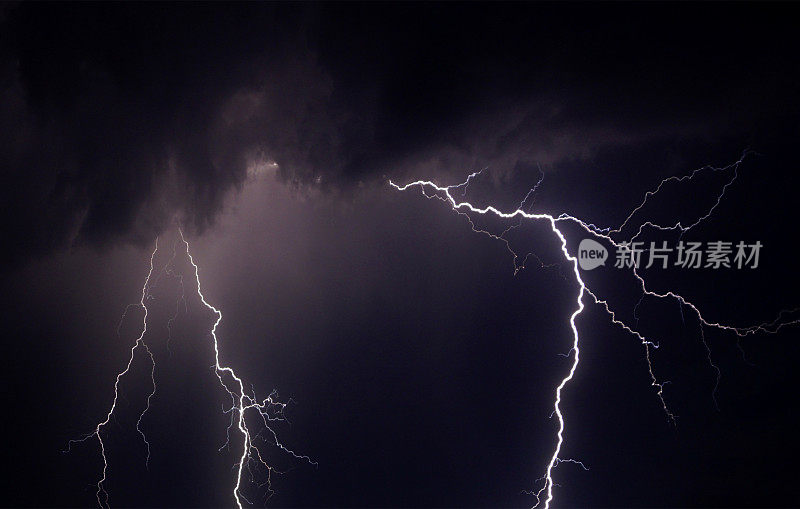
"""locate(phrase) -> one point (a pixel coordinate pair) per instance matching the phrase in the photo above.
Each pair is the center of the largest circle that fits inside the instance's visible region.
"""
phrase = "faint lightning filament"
(102, 494)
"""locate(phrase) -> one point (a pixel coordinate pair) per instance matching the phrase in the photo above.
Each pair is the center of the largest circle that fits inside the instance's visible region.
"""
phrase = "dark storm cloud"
(117, 119)
(109, 117)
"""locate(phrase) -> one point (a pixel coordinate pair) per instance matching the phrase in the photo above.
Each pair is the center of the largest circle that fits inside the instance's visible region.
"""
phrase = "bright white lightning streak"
(241, 400)
(463, 207)
(554, 459)
(102, 494)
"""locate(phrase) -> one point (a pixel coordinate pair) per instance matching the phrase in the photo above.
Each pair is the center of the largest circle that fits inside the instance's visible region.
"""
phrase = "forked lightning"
(267, 410)
(544, 495)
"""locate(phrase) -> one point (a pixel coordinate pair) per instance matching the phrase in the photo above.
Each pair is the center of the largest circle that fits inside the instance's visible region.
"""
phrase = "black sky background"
(422, 368)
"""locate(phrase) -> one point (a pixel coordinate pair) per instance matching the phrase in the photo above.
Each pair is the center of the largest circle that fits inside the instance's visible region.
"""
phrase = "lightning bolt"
(243, 402)
(267, 409)
(102, 494)
(430, 190)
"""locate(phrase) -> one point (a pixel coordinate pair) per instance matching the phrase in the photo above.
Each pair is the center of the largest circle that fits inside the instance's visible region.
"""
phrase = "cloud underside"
(116, 121)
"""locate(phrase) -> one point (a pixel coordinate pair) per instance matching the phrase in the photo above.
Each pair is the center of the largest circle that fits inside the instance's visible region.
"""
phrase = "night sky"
(421, 370)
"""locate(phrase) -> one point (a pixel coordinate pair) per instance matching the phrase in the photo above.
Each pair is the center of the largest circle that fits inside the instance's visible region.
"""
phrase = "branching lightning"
(102, 494)
(267, 409)
(243, 402)
(544, 495)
